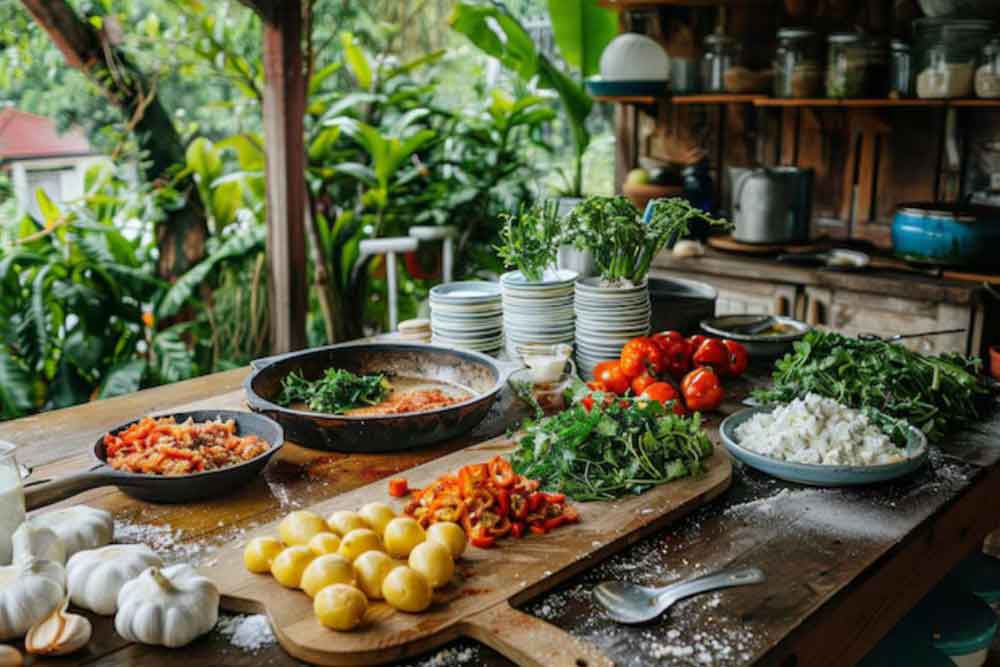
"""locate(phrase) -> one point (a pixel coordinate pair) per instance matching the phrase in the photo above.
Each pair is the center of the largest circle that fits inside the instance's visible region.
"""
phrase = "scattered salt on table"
(249, 633)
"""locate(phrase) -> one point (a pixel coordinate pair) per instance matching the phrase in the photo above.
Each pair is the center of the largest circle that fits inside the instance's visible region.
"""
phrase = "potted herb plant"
(614, 306)
(537, 298)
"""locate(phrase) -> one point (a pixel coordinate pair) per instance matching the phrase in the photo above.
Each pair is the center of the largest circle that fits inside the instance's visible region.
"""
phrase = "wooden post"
(284, 133)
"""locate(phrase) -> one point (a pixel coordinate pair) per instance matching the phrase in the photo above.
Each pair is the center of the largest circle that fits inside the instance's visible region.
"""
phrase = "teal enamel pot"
(947, 234)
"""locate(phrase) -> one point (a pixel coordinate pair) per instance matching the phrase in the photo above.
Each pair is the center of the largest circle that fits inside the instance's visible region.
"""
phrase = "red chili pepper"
(470, 477)
(517, 529)
(702, 390)
(482, 541)
(640, 383)
(502, 472)
(554, 522)
(676, 352)
(502, 502)
(535, 501)
(587, 402)
(398, 487)
(738, 357)
(518, 506)
(712, 353)
(641, 354)
(554, 497)
(537, 528)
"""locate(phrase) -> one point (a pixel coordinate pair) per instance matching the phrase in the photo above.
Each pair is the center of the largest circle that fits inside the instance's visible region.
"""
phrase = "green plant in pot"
(623, 245)
(529, 239)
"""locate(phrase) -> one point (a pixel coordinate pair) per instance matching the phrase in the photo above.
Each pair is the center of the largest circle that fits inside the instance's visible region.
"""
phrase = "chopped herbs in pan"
(336, 392)
(612, 450)
(937, 394)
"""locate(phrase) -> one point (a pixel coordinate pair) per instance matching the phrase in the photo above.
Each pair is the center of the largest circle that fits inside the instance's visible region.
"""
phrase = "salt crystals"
(249, 633)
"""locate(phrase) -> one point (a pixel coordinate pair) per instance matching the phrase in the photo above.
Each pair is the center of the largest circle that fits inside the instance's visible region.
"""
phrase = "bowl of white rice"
(816, 440)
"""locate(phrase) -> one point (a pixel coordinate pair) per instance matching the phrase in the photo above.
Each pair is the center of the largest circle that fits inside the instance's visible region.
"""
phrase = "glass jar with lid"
(846, 64)
(942, 79)
(988, 73)
(722, 53)
(900, 69)
(796, 64)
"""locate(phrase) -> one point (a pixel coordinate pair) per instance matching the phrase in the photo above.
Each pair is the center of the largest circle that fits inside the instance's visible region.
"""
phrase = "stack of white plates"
(537, 312)
(467, 315)
(606, 319)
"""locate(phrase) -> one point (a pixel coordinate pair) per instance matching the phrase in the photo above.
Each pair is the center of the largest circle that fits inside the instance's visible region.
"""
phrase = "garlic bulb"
(38, 542)
(10, 656)
(59, 633)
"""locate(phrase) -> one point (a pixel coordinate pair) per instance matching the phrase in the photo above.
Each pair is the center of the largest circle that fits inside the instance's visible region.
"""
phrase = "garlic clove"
(10, 656)
(59, 633)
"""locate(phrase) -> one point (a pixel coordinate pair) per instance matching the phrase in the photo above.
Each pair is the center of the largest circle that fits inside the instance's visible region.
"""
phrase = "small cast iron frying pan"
(164, 488)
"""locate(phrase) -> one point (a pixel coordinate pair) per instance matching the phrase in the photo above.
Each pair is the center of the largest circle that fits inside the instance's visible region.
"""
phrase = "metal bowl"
(480, 375)
(758, 346)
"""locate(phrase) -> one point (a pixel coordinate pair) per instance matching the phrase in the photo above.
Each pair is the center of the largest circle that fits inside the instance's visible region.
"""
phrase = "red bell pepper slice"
(501, 472)
(398, 487)
(517, 529)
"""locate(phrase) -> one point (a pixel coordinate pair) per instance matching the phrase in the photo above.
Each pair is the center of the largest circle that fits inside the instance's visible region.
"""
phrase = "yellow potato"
(407, 590)
(289, 565)
(324, 571)
(449, 534)
(377, 515)
(359, 541)
(370, 569)
(343, 521)
(401, 535)
(433, 560)
(260, 552)
(299, 527)
(340, 607)
(324, 543)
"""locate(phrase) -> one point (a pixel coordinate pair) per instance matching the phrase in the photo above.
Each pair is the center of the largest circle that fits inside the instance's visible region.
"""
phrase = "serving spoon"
(630, 603)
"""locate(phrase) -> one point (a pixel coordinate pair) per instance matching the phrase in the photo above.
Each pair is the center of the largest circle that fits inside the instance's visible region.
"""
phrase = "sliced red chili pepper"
(471, 477)
(398, 487)
(479, 537)
(479, 501)
(502, 502)
(537, 528)
(517, 529)
(554, 497)
(501, 472)
(535, 501)
(554, 522)
(448, 508)
(518, 506)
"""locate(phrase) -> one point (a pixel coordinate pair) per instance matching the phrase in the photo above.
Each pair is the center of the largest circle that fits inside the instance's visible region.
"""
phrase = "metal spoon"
(629, 603)
(891, 339)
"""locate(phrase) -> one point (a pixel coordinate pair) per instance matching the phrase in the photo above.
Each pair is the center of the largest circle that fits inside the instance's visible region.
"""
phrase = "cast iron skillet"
(162, 488)
(483, 375)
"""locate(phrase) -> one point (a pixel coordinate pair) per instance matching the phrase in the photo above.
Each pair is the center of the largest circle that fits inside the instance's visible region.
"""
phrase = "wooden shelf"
(760, 100)
(629, 99)
(717, 98)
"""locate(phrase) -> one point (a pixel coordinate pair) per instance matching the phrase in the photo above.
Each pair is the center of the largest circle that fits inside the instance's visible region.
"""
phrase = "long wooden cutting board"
(491, 581)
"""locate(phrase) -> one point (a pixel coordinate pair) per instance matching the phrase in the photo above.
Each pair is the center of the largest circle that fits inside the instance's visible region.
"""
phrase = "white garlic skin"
(60, 633)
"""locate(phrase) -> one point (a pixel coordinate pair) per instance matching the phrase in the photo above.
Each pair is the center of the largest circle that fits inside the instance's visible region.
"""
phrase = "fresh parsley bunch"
(529, 241)
(623, 246)
(611, 450)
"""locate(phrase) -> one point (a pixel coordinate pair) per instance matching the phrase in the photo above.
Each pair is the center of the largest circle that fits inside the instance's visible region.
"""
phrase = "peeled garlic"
(10, 656)
(59, 633)
(688, 248)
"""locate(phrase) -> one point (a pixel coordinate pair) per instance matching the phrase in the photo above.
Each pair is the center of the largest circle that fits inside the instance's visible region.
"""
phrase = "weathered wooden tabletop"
(843, 565)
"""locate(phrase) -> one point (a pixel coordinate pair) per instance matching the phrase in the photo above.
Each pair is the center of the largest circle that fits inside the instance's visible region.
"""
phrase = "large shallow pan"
(478, 374)
(163, 488)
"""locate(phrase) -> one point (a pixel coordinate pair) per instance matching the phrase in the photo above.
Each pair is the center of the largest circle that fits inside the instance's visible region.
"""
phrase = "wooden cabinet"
(851, 313)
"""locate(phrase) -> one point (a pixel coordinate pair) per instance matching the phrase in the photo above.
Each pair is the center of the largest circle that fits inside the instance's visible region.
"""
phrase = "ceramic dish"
(469, 291)
(758, 346)
(821, 475)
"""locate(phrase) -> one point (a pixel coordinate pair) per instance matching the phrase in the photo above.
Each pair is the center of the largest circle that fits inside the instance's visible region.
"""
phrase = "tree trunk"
(181, 237)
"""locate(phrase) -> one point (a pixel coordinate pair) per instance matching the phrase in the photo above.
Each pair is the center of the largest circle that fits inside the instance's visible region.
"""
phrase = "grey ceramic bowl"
(758, 346)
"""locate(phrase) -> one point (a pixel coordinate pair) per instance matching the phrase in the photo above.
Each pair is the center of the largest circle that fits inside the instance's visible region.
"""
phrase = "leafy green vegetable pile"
(935, 394)
(336, 392)
(611, 451)
(530, 241)
(624, 246)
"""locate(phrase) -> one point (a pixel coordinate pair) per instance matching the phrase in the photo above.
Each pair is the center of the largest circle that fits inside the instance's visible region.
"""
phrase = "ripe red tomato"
(702, 390)
(610, 374)
(663, 392)
(738, 357)
(641, 354)
(640, 383)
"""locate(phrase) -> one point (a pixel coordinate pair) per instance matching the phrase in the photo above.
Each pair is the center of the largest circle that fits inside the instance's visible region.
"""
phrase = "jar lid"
(716, 38)
(795, 33)
(956, 623)
(844, 38)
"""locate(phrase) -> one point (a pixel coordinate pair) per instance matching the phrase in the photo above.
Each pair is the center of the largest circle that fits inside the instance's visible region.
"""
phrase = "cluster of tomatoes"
(649, 367)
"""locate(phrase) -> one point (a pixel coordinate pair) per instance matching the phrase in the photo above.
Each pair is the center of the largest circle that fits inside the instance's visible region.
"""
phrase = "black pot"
(680, 305)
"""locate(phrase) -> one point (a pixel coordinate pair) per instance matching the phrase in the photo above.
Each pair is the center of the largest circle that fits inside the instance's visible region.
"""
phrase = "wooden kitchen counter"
(843, 565)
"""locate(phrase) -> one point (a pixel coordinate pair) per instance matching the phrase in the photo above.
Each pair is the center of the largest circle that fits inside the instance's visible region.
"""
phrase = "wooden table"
(843, 565)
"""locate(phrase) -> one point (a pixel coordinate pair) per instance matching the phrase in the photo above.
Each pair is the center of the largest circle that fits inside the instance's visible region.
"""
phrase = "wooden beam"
(284, 131)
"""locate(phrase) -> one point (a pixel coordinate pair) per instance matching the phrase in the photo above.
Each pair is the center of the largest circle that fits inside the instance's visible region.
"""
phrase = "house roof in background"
(27, 135)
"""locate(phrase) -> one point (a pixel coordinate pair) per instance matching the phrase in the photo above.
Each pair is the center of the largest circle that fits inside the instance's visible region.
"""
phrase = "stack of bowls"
(607, 317)
(467, 315)
(537, 312)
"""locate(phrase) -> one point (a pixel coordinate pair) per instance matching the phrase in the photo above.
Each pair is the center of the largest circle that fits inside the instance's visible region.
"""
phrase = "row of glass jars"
(857, 65)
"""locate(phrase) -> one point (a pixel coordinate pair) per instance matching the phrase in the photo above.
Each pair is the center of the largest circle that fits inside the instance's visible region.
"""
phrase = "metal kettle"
(771, 204)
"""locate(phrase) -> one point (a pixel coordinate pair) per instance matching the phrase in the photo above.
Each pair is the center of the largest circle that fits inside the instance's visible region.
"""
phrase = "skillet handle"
(52, 491)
